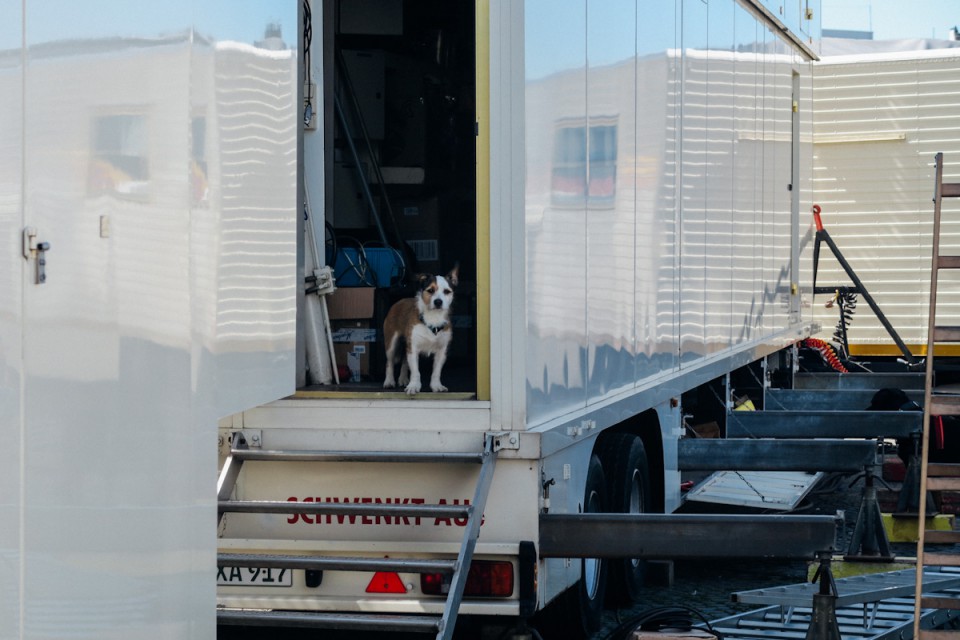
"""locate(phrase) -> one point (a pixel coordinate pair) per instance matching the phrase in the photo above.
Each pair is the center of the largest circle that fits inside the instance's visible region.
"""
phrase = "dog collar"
(434, 329)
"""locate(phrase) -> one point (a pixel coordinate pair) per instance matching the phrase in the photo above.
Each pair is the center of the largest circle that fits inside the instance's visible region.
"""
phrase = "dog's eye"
(447, 291)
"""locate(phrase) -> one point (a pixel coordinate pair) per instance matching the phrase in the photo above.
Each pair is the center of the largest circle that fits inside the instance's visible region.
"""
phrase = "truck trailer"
(621, 186)
(209, 207)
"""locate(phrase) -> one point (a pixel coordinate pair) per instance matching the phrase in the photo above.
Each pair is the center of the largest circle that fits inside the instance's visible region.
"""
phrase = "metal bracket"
(504, 440)
(252, 437)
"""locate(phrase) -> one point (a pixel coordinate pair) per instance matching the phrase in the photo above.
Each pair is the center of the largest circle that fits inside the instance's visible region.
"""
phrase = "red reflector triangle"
(386, 582)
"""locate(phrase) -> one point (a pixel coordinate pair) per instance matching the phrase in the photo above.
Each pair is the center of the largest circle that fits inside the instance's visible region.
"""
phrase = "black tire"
(577, 614)
(628, 490)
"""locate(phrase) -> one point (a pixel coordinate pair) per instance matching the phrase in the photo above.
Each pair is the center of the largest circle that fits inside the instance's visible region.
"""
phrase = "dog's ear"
(452, 276)
(423, 280)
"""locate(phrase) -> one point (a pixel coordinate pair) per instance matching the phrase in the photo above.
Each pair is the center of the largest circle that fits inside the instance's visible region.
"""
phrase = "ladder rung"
(946, 334)
(950, 190)
(943, 470)
(938, 634)
(936, 536)
(944, 405)
(939, 602)
(347, 509)
(335, 563)
(943, 483)
(948, 262)
(354, 456)
(323, 620)
(941, 559)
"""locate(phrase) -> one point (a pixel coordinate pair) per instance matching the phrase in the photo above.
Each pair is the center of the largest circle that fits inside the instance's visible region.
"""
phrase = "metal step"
(759, 454)
(251, 455)
(826, 399)
(324, 620)
(336, 563)
(823, 424)
(873, 381)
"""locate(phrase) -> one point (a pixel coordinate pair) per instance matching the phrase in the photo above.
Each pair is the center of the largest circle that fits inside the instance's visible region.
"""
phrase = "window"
(118, 158)
(574, 179)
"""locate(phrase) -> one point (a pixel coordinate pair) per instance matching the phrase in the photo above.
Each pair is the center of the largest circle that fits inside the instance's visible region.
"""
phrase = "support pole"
(823, 620)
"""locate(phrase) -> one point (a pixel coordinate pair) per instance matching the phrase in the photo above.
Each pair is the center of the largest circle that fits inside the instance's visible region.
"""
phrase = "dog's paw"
(413, 389)
(403, 380)
(437, 387)
(389, 383)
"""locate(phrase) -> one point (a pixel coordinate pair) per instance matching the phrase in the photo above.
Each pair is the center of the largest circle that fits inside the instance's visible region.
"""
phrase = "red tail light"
(490, 578)
(386, 582)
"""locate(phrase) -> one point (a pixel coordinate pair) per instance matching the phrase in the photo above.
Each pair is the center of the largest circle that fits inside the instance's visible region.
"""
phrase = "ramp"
(769, 490)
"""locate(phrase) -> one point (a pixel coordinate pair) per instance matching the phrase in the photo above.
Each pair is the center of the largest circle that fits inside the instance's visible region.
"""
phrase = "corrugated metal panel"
(877, 125)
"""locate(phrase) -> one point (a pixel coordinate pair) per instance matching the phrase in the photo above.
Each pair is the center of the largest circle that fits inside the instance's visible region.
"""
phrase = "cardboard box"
(351, 303)
(353, 340)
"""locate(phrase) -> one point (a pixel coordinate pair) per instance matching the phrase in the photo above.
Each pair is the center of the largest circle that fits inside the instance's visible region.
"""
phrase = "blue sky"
(893, 19)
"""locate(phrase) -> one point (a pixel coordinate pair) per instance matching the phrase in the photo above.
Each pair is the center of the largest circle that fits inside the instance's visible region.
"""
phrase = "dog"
(420, 326)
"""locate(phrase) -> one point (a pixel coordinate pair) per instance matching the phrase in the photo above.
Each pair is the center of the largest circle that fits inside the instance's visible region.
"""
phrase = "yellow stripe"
(483, 197)
(893, 350)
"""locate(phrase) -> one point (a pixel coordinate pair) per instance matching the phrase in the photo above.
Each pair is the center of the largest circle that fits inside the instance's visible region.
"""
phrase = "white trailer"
(621, 182)
(882, 112)
(151, 150)
(631, 233)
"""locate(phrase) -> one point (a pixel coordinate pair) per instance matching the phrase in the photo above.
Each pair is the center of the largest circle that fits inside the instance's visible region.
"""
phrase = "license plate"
(253, 577)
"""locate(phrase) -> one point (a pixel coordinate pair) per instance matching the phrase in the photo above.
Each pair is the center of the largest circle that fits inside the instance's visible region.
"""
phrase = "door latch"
(36, 250)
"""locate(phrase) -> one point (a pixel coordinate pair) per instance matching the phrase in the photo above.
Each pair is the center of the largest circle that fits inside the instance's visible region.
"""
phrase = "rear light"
(491, 578)
(386, 582)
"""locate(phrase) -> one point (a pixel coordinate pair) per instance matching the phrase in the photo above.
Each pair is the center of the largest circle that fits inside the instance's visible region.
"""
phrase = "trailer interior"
(400, 178)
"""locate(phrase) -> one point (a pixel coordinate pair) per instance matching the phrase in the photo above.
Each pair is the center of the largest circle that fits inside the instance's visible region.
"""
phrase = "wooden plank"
(946, 334)
(935, 536)
(945, 405)
(950, 190)
(943, 470)
(940, 602)
(943, 484)
(941, 559)
(948, 262)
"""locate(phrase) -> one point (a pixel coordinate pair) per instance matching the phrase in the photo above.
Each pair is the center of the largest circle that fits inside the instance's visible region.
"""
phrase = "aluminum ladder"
(936, 477)
(441, 626)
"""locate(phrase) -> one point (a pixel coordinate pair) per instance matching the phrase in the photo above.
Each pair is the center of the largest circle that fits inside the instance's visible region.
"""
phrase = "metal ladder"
(936, 477)
(441, 626)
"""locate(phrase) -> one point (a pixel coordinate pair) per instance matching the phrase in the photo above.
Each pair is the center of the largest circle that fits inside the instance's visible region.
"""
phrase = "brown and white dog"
(421, 326)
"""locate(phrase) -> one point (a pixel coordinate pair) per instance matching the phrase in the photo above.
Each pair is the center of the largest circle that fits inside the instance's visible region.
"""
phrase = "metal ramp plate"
(774, 490)
(853, 590)
(873, 608)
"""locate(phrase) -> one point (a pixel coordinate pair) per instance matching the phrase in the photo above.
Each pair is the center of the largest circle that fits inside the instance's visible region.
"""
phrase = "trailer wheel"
(576, 614)
(628, 490)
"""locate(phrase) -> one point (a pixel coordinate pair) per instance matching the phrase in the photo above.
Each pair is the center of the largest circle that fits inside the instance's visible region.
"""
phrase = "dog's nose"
(438, 303)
